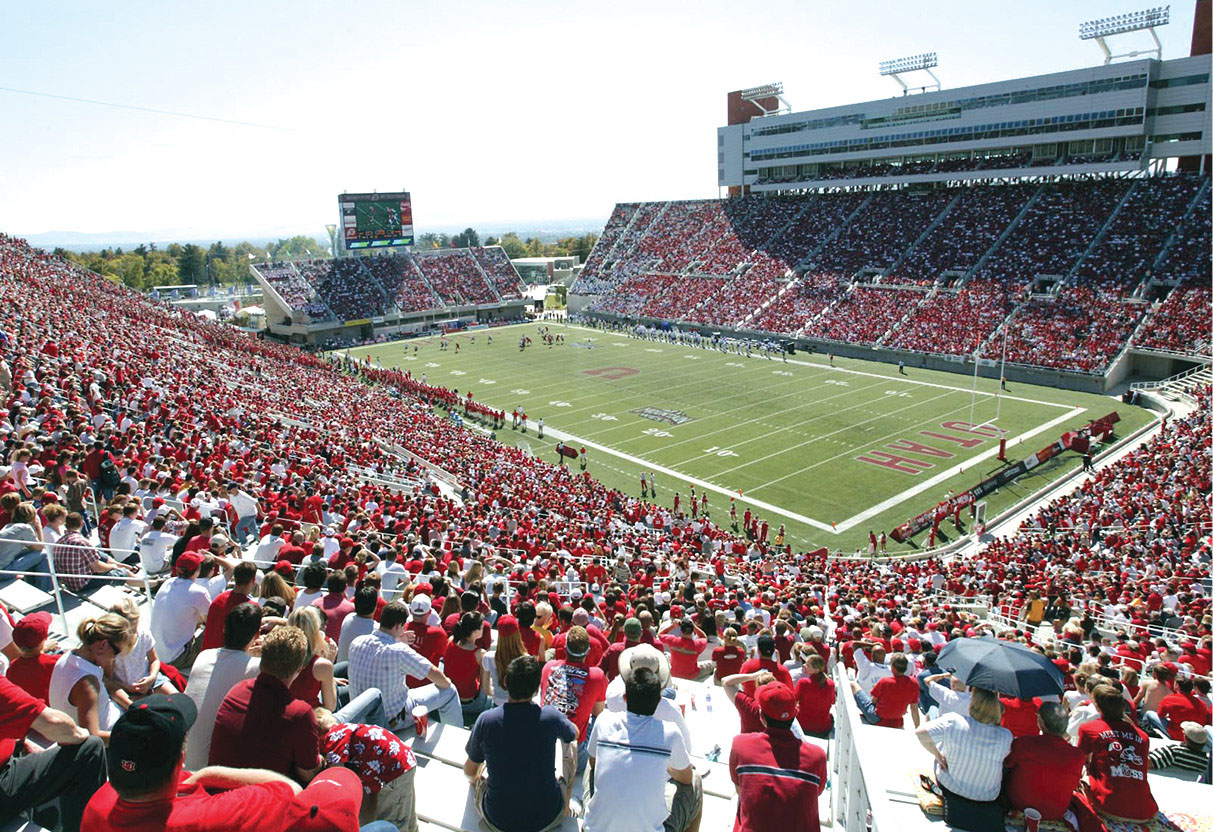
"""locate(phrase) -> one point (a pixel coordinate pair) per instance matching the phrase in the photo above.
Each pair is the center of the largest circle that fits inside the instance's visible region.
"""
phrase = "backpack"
(109, 476)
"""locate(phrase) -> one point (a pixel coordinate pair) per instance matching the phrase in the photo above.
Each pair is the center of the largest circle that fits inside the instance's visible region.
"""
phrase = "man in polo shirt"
(778, 777)
(1043, 770)
(384, 659)
(430, 640)
(685, 649)
(71, 770)
(575, 689)
(632, 755)
(516, 743)
(179, 608)
(766, 660)
(245, 580)
(260, 725)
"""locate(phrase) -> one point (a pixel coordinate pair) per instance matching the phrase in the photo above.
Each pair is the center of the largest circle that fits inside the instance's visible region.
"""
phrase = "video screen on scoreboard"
(376, 220)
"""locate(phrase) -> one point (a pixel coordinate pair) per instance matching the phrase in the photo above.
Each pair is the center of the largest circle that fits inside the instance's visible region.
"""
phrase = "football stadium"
(871, 494)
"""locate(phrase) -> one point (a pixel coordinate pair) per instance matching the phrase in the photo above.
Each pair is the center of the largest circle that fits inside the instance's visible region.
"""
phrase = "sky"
(489, 113)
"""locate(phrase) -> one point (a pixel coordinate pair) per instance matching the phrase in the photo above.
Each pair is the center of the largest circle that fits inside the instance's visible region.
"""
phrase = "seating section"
(1186, 259)
(864, 315)
(835, 265)
(496, 266)
(1180, 323)
(955, 322)
(968, 231)
(1129, 246)
(1081, 330)
(364, 287)
(1055, 231)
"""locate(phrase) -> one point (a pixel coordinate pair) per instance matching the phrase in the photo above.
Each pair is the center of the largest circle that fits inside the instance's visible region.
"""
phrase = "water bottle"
(709, 706)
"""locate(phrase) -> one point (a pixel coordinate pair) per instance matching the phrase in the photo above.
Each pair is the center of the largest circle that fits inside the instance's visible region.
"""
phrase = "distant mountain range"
(546, 230)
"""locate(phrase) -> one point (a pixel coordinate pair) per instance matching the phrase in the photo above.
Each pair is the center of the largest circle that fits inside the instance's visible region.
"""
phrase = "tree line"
(513, 245)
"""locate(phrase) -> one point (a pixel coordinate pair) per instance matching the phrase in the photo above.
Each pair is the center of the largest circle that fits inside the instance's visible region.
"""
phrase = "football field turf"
(830, 451)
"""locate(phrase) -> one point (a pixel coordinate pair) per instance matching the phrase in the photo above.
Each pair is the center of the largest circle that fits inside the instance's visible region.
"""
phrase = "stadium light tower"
(914, 63)
(760, 96)
(1104, 28)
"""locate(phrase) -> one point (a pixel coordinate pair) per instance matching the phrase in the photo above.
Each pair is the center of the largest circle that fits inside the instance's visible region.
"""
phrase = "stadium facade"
(1114, 117)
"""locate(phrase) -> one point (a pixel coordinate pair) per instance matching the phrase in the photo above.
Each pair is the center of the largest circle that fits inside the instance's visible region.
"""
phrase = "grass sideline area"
(832, 451)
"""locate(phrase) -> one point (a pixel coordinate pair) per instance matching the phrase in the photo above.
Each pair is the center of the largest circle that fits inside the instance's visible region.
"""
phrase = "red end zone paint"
(612, 373)
(909, 465)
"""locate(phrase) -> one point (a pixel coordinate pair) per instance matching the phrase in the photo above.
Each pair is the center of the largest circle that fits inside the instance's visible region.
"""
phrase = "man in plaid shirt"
(75, 555)
(382, 660)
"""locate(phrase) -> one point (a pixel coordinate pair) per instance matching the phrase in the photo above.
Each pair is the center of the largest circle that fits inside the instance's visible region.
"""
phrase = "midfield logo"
(671, 417)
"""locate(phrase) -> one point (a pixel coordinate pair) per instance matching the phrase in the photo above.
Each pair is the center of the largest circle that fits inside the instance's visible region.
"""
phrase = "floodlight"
(1121, 23)
(765, 91)
(909, 64)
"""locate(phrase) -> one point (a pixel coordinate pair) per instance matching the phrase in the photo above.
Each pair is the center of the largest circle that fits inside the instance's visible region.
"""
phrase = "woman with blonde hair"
(22, 548)
(969, 750)
(315, 684)
(274, 585)
(136, 672)
(78, 681)
(474, 574)
(496, 661)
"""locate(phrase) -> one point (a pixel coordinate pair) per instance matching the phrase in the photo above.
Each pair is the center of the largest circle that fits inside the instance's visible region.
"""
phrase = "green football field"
(830, 451)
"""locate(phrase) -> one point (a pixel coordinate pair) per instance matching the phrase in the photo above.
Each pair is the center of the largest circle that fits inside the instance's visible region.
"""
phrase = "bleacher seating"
(863, 315)
(1180, 323)
(496, 266)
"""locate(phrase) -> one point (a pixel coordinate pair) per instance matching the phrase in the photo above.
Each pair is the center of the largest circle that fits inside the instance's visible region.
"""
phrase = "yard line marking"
(872, 511)
(851, 426)
(704, 484)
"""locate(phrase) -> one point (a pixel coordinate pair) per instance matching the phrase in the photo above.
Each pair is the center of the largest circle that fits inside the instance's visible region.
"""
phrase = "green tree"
(513, 247)
(191, 264)
(491, 241)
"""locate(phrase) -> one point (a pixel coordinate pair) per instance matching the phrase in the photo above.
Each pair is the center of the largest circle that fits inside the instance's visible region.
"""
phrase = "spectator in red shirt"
(778, 777)
(259, 725)
(814, 698)
(31, 670)
(729, 656)
(335, 605)
(71, 770)
(429, 640)
(531, 639)
(886, 705)
(245, 579)
(685, 649)
(1019, 715)
(1117, 753)
(766, 661)
(632, 633)
(1177, 708)
(1043, 770)
(575, 689)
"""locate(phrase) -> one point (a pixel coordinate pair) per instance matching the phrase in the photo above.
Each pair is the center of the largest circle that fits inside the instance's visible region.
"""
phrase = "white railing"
(858, 805)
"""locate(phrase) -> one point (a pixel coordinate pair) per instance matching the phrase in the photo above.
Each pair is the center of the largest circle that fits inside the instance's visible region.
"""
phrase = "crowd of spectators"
(263, 449)
(496, 266)
(1055, 231)
(1180, 323)
(880, 233)
(969, 230)
(1079, 329)
(864, 314)
(456, 278)
(402, 283)
(802, 302)
(1125, 254)
(1187, 255)
(955, 322)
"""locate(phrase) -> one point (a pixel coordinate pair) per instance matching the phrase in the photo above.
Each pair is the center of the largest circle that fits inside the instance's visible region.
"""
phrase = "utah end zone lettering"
(972, 436)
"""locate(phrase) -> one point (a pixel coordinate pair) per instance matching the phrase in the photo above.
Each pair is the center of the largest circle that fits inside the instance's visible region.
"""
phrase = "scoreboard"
(376, 220)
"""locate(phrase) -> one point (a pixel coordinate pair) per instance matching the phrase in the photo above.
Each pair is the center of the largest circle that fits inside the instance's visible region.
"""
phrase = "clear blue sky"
(503, 112)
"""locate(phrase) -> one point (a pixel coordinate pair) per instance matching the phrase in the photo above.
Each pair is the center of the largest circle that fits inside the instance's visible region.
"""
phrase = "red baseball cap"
(285, 568)
(188, 562)
(507, 625)
(776, 701)
(330, 803)
(31, 631)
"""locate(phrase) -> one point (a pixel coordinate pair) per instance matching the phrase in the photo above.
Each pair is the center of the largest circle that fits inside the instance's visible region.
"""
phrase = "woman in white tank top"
(77, 683)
